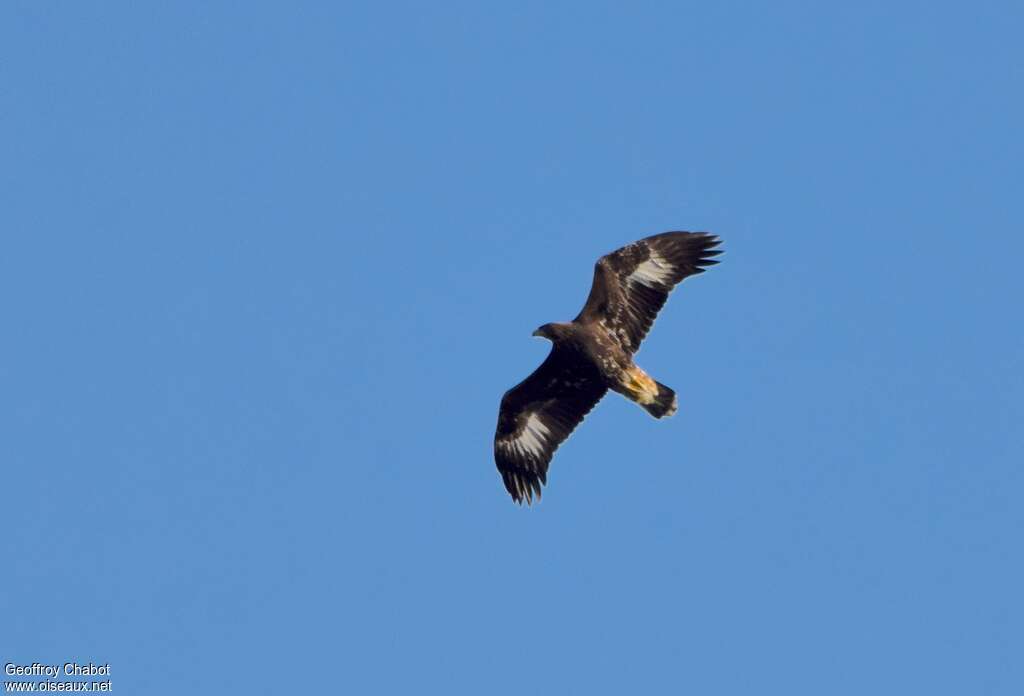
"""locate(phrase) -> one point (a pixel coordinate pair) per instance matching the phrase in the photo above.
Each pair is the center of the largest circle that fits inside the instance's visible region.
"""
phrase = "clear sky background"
(267, 269)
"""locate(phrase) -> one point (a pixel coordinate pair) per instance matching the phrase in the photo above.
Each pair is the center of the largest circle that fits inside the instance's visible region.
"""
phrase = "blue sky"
(267, 271)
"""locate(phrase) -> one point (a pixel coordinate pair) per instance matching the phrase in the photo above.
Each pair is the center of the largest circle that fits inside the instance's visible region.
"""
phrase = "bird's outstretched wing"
(538, 414)
(632, 283)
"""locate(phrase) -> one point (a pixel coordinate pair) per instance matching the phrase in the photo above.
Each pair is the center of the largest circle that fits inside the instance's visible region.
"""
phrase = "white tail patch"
(654, 271)
(674, 407)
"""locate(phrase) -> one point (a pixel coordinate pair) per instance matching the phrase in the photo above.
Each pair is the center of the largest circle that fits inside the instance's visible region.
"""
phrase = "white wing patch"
(652, 272)
(531, 439)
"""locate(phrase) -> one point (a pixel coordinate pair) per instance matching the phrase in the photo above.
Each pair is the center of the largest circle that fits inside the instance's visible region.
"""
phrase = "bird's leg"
(639, 386)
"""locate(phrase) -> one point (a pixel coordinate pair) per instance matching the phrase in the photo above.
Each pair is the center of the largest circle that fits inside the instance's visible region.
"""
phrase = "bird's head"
(548, 331)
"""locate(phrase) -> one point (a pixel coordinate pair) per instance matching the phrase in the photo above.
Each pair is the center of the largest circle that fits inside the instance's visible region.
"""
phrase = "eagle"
(594, 353)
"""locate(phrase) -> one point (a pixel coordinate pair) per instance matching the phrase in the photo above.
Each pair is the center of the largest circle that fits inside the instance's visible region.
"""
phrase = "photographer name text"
(70, 669)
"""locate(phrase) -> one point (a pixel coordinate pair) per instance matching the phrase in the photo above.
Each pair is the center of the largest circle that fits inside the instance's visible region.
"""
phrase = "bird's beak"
(537, 333)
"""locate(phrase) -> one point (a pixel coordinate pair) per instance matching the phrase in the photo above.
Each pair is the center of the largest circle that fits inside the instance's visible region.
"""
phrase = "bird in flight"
(594, 353)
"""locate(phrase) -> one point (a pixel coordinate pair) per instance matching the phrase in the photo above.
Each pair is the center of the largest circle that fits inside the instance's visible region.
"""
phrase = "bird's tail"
(657, 399)
(664, 402)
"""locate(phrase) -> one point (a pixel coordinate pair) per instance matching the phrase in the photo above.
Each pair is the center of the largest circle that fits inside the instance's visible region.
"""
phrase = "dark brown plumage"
(594, 353)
